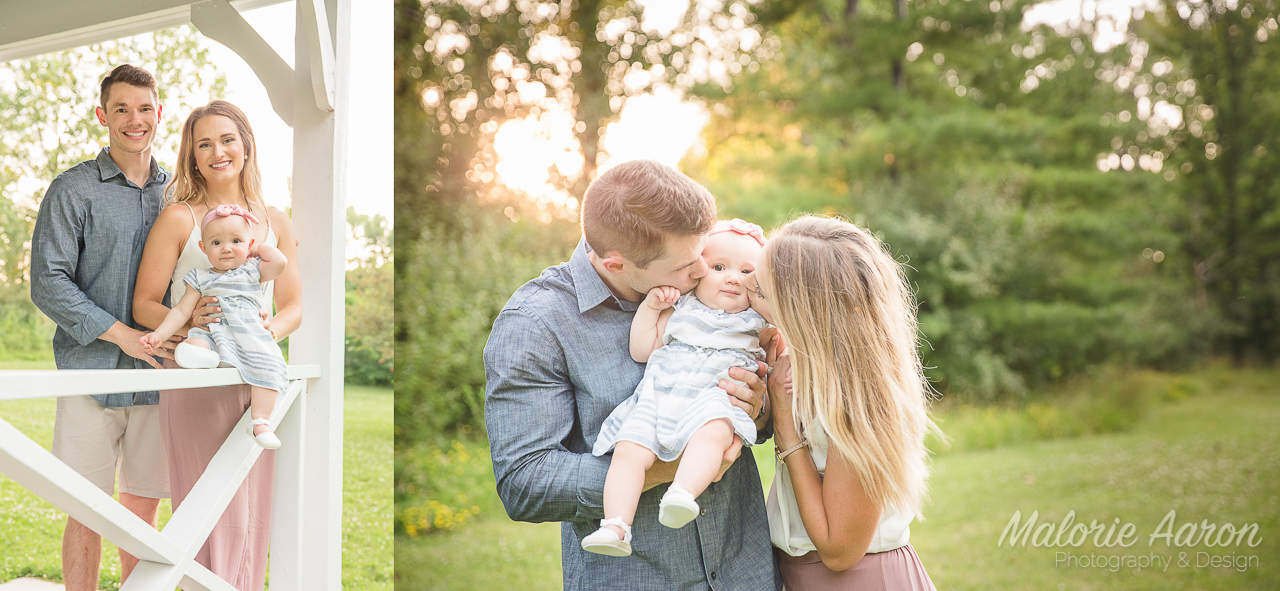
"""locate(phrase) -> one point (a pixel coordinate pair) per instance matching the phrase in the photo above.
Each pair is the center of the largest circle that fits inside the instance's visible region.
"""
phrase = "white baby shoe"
(266, 439)
(677, 507)
(605, 541)
(193, 357)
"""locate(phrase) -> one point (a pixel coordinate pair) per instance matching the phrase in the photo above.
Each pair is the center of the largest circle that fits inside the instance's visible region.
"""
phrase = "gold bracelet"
(782, 455)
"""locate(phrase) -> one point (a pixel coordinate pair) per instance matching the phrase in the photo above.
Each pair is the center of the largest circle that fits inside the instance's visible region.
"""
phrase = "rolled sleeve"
(55, 253)
(530, 415)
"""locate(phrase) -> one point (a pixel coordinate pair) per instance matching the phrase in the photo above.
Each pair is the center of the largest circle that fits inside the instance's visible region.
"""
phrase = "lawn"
(32, 529)
(1209, 452)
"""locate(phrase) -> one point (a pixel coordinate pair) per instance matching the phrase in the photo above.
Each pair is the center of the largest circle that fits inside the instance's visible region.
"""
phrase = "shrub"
(450, 287)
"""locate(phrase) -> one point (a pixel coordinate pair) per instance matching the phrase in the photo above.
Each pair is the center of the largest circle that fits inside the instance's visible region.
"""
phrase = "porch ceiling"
(34, 27)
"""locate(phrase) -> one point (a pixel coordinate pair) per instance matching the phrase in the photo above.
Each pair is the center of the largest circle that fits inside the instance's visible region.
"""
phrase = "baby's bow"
(228, 210)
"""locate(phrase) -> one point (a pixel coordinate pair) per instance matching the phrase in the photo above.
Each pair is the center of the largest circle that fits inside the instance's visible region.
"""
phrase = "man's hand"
(129, 341)
(662, 472)
(747, 391)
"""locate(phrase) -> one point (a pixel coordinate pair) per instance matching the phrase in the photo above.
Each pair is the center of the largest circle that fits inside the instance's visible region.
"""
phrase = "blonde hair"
(188, 185)
(848, 317)
(635, 206)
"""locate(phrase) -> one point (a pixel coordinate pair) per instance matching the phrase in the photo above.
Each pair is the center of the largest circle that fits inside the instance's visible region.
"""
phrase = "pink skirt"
(194, 423)
(895, 570)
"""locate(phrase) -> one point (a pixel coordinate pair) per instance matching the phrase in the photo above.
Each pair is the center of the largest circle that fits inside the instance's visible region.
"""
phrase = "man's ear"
(159, 111)
(102, 115)
(614, 263)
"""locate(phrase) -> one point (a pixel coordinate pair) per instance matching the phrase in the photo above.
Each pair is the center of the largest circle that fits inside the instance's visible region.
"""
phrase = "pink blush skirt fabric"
(895, 570)
(194, 424)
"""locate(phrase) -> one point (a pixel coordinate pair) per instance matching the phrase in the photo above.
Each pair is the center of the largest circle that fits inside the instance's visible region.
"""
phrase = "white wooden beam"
(32, 27)
(319, 51)
(32, 466)
(21, 384)
(191, 523)
(199, 578)
(221, 22)
(287, 517)
(319, 209)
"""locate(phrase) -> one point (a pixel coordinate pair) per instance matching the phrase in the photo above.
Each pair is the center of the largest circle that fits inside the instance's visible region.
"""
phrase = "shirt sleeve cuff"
(591, 474)
(92, 327)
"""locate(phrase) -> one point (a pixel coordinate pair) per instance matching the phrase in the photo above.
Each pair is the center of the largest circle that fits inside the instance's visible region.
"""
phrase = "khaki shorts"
(96, 440)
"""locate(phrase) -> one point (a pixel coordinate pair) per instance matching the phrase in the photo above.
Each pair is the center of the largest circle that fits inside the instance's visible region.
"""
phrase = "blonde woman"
(217, 165)
(850, 434)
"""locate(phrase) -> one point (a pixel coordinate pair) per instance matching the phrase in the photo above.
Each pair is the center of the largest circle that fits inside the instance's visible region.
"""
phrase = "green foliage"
(450, 288)
(47, 102)
(1214, 63)
(370, 285)
(972, 147)
(442, 488)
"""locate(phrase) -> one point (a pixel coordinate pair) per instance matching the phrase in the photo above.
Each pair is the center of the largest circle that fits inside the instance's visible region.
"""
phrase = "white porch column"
(319, 218)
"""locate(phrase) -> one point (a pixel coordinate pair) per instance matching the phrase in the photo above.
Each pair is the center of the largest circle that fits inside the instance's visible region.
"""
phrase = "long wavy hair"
(849, 319)
(188, 185)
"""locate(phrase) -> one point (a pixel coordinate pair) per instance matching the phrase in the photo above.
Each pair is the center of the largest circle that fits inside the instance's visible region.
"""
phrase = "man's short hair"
(633, 209)
(131, 75)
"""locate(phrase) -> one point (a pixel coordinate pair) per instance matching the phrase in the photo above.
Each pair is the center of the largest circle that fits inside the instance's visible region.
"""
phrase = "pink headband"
(738, 226)
(223, 211)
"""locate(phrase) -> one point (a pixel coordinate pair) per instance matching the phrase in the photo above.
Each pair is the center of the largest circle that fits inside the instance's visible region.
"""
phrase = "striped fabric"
(679, 392)
(240, 339)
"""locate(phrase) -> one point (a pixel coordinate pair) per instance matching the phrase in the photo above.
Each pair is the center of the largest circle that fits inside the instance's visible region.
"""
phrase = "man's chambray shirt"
(557, 363)
(85, 252)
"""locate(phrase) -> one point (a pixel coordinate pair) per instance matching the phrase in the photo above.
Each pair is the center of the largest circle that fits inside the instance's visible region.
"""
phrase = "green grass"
(1206, 447)
(32, 529)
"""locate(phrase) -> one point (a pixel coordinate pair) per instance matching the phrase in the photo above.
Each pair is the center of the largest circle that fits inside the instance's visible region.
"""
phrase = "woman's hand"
(203, 315)
(780, 399)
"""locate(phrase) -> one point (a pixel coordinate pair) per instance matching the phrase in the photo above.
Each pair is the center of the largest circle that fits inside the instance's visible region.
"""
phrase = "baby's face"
(226, 242)
(730, 258)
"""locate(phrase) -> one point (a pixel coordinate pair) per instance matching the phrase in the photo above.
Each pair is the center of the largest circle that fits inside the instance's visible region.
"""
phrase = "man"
(558, 362)
(85, 252)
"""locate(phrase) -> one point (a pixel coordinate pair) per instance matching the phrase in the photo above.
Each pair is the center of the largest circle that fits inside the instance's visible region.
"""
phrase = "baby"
(678, 410)
(239, 268)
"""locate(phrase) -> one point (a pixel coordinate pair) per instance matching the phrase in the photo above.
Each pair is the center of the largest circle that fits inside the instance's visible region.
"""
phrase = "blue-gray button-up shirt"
(557, 363)
(85, 252)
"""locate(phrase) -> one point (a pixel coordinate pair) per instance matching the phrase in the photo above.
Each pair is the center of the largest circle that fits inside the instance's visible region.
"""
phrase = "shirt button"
(704, 511)
(713, 575)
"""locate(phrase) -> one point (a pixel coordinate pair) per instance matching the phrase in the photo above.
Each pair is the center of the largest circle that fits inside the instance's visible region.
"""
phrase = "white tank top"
(786, 530)
(194, 258)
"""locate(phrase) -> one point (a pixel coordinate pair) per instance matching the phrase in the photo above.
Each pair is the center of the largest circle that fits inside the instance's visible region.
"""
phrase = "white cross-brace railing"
(166, 557)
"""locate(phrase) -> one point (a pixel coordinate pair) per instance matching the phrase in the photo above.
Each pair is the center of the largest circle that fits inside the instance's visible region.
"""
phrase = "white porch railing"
(167, 557)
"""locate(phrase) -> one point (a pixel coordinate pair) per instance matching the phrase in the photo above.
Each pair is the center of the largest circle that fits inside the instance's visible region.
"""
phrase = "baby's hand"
(149, 342)
(661, 298)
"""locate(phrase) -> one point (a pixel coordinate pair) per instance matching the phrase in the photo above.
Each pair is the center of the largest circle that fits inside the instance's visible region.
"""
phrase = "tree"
(370, 357)
(1211, 66)
(971, 144)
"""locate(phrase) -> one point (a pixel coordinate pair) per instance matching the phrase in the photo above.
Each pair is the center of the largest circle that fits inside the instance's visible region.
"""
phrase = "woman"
(217, 165)
(850, 434)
